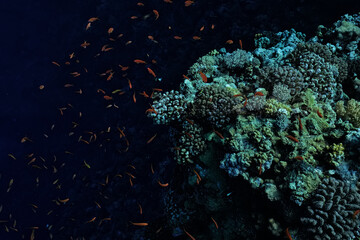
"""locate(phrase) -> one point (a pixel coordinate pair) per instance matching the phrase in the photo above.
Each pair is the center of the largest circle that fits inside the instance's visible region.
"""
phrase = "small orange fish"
(151, 168)
(143, 224)
(163, 184)
(55, 63)
(138, 61)
(123, 68)
(130, 85)
(299, 158)
(189, 121)
(93, 19)
(288, 234)
(212, 26)
(189, 235)
(292, 138)
(143, 93)
(106, 97)
(64, 200)
(319, 114)
(237, 95)
(196, 37)
(151, 139)
(151, 38)
(197, 175)
(140, 209)
(240, 43)
(202, 28)
(356, 213)
(219, 134)
(229, 41)
(203, 77)
(188, 3)
(134, 98)
(110, 30)
(168, 1)
(156, 14)
(151, 72)
(133, 17)
(157, 89)
(91, 220)
(300, 124)
(41, 87)
(186, 77)
(216, 225)
(88, 26)
(100, 90)
(177, 37)
(85, 44)
(258, 94)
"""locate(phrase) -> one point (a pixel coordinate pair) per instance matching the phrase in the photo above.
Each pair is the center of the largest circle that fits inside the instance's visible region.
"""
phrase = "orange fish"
(299, 158)
(168, 1)
(140, 208)
(190, 236)
(177, 37)
(133, 17)
(212, 26)
(300, 124)
(186, 77)
(216, 225)
(143, 93)
(41, 87)
(130, 85)
(106, 97)
(110, 30)
(93, 19)
(140, 4)
(151, 139)
(240, 43)
(88, 26)
(55, 63)
(319, 113)
(134, 98)
(85, 44)
(139, 224)
(91, 220)
(123, 68)
(292, 138)
(156, 14)
(151, 38)
(356, 213)
(100, 90)
(202, 28)
(288, 234)
(163, 184)
(188, 3)
(229, 41)
(219, 134)
(203, 77)
(258, 94)
(196, 37)
(138, 61)
(151, 72)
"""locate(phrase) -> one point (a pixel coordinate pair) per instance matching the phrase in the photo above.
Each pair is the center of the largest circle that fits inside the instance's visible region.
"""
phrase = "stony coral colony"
(273, 137)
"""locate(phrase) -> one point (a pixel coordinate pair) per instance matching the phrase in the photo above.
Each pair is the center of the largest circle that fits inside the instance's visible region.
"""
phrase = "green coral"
(350, 112)
(336, 154)
(273, 106)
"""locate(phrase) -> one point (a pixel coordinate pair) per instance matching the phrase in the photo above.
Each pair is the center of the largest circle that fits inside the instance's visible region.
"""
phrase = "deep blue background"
(34, 33)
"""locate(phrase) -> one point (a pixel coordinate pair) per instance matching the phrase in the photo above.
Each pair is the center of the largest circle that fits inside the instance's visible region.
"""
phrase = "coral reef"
(280, 123)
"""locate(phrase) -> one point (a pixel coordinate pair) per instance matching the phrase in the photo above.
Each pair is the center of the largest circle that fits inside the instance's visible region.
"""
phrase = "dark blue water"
(35, 33)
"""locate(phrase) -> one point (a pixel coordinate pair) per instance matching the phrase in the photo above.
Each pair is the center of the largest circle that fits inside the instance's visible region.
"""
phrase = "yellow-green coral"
(272, 107)
(350, 112)
(336, 154)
